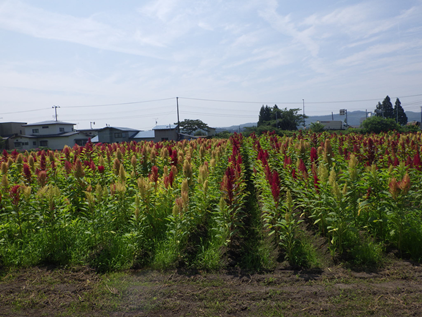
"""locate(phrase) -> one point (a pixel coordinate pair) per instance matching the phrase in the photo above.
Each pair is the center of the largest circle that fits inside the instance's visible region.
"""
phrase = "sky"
(123, 63)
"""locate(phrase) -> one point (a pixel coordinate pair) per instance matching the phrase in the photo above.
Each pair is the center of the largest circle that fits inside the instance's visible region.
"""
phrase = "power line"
(24, 111)
(120, 104)
(219, 115)
(124, 117)
(292, 102)
(218, 100)
(238, 101)
(218, 109)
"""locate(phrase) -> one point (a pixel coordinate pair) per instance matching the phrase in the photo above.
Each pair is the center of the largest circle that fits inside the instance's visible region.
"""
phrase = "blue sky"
(123, 63)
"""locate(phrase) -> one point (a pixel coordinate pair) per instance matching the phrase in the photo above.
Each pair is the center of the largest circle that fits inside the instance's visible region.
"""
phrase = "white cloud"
(284, 25)
(374, 52)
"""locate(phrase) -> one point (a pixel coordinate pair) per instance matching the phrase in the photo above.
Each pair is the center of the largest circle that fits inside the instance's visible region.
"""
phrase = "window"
(34, 142)
(81, 142)
(44, 143)
(164, 139)
(18, 144)
(118, 135)
(35, 131)
(45, 126)
(26, 143)
(61, 129)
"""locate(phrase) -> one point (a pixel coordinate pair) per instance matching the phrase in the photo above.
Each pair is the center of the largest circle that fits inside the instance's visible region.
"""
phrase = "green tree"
(378, 124)
(284, 119)
(189, 126)
(316, 127)
(399, 114)
(385, 109)
(223, 135)
(264, 115)
(289, 119)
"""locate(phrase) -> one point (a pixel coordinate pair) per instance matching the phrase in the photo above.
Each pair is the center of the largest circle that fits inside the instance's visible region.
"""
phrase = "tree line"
(386, 110)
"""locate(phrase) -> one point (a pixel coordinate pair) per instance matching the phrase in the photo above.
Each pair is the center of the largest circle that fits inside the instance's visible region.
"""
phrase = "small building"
(9, 130)
(144, 136)
(332, 125)
(165, 132)
(116, 134)
(211, 131)
(49, 134)
(89, 133)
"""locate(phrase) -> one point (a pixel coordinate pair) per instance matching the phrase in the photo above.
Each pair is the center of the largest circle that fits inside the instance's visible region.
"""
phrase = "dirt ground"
(395, 290)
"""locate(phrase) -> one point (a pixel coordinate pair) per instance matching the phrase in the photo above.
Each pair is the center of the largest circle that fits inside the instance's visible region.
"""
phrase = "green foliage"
(400, 115)
(248, 131)
(284, 119)
(189, 126)
(223, 135)
(411, 128)
(377, 124)
(316, 127)
(385, 109)
(200, 133)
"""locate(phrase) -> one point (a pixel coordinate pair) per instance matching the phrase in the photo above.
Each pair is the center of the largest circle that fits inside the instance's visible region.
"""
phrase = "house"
(157, 134)
(89, 133)
(9, 130)
(116, 134)
(165, 132)
(211, 131)
(144, 136)
(50, 134)
(332, 125)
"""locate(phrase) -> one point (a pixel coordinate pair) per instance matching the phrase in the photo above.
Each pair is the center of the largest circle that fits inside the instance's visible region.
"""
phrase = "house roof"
(165, 127)
(121, 129)
(144, 135)
(88, 130)
(48, 122)
(46, 136)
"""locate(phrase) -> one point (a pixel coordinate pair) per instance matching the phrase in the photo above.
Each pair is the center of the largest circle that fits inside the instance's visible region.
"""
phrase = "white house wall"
(56, 143)
(52, 129)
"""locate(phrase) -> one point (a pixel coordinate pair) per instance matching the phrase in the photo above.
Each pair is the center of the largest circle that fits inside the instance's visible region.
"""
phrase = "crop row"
(198, 202)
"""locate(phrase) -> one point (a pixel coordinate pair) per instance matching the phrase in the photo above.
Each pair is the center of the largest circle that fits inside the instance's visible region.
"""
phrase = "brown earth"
(395, 290)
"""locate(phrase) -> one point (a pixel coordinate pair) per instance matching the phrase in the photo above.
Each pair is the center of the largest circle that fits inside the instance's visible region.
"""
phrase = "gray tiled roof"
(48, 122)
(144, 135)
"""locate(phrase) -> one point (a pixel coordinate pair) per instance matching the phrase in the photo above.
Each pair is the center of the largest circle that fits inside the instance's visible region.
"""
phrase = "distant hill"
(353, 118)
(236, 128)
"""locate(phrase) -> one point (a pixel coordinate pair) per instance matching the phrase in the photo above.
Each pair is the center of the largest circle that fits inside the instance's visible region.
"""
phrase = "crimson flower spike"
(314, 154)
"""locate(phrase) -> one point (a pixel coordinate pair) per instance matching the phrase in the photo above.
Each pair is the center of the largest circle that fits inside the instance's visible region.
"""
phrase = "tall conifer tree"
(400, 115)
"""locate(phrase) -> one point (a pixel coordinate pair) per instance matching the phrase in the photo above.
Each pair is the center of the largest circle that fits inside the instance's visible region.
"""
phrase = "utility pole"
(304, 122)
(91, 123)
(178, 121)
(332, 116)
(55, 111)
(366, 113)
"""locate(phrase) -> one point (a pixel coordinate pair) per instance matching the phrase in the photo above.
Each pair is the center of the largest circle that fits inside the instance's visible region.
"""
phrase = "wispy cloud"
(260, 48)
(284, 25)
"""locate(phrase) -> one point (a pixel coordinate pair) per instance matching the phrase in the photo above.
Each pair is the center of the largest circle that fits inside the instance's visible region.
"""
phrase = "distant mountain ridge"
(353, 118)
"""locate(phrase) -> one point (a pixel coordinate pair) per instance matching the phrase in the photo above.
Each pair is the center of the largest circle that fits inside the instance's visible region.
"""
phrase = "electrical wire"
(120, 104)
(24, 111)
(218, 100)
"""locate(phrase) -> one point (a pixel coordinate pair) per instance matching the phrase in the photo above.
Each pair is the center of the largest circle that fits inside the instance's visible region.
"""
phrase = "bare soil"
(395, 290)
